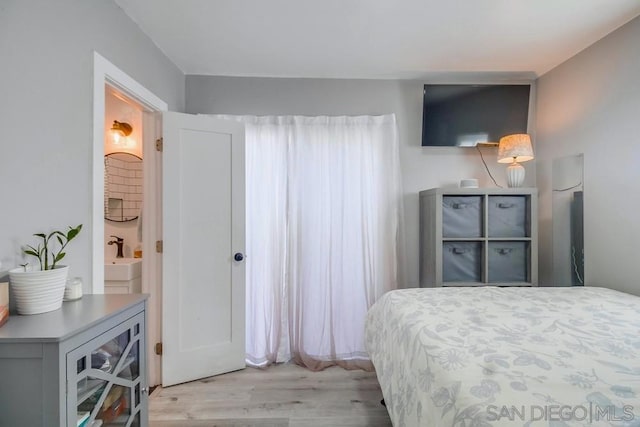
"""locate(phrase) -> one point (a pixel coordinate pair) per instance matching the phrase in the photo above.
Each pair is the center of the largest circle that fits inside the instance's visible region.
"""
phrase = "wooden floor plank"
(268, 422)
(280, 396)
(366, 421)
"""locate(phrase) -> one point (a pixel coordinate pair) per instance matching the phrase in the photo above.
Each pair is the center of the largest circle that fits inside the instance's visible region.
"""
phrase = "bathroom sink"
(122, 268)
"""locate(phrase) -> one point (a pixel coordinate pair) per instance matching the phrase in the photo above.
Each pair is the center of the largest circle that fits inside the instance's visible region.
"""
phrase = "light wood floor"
(280, 396)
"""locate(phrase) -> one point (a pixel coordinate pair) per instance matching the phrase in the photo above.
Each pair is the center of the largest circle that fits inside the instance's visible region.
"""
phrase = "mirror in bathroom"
(568, 231)
(122, 186)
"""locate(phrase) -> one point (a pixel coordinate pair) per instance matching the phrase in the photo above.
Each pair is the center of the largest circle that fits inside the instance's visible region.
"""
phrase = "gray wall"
(591, 104)
(46, 104)
(422, 168)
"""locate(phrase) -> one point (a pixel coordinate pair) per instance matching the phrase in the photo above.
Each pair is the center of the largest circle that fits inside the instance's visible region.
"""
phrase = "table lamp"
(515, 149)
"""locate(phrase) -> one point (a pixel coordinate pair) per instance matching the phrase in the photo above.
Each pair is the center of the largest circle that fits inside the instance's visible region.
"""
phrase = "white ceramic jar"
(73, 289)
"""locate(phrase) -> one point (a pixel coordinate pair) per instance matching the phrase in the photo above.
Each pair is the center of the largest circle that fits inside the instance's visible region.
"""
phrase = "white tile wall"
(125, 184)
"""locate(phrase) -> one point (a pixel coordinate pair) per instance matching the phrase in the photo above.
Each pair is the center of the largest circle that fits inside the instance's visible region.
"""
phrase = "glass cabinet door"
(105, 380)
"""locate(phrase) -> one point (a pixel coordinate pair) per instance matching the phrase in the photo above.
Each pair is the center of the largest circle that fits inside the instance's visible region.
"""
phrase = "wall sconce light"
(515, 149)
(119, 130)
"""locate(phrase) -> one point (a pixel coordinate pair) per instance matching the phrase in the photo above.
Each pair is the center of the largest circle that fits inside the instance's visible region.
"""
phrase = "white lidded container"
(73, 289)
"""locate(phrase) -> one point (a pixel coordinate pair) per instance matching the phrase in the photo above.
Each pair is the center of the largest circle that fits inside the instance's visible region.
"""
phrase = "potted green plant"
(40, 288)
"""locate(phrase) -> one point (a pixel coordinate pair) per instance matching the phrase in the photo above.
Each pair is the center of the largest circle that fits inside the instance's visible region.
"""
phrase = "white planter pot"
(37, 291)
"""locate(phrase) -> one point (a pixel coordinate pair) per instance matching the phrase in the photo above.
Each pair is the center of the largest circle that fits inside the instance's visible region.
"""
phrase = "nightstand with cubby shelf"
(478, 237)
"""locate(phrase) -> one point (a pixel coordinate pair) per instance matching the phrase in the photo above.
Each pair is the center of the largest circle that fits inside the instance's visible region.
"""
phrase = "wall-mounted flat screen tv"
(464, 115)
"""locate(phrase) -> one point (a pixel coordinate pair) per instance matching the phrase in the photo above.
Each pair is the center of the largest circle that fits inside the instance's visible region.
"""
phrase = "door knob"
(238, 256)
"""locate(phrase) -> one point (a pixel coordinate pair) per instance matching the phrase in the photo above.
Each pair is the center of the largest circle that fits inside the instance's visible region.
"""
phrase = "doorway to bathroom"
(123, 195)
(119, 98)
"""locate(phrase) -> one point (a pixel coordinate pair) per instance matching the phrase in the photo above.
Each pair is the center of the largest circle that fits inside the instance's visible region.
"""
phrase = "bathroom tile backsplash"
(124, 188)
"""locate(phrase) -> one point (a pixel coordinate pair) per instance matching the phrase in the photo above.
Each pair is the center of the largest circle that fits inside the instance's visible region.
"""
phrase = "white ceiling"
(374, 38)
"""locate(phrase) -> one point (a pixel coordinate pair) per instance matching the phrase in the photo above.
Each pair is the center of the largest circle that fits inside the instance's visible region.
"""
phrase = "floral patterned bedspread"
(507, 356)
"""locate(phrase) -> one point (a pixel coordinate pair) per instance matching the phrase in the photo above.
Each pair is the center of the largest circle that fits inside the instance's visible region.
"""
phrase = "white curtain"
(323, 212)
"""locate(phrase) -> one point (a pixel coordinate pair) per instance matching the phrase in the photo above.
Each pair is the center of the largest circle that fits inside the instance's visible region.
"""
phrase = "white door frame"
(105, 73)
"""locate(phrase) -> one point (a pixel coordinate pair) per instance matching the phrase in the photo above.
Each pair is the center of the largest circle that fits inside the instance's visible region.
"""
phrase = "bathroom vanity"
(123, 276)
(83, 364)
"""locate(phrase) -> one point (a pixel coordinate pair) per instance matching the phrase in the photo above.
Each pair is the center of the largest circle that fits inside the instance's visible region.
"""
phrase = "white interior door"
(203, 291)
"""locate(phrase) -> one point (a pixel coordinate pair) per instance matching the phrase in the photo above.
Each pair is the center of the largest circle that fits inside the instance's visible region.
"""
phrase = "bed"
(494, 356)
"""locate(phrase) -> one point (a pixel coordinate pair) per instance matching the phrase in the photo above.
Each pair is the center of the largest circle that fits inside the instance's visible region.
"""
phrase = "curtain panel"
(324, 203)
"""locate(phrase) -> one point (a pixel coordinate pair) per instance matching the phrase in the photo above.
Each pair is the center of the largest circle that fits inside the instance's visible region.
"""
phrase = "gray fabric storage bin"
(507, 216)
(462, 216)
(508, 262)
(462, 262)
